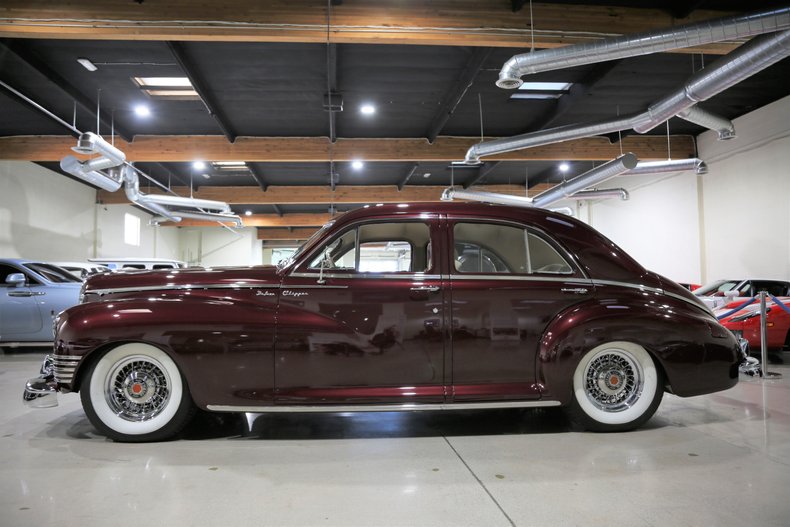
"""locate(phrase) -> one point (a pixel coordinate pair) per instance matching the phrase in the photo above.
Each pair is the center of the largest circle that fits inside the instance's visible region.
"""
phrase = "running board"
(383, 407)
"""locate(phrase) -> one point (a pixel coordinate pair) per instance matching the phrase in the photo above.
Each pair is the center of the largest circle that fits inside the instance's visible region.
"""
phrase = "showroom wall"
(732, 222)
(215, 246)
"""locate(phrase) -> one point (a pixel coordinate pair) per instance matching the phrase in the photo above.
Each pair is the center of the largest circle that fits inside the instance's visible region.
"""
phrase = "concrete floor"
(716, 460)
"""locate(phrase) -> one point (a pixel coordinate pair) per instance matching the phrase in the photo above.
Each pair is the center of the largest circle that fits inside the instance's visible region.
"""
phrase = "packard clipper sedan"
(396, 307)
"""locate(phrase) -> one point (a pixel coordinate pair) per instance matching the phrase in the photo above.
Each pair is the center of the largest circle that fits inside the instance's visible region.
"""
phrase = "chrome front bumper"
(42, 392)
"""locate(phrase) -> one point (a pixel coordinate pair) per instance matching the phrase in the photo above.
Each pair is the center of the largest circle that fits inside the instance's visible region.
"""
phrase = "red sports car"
(399, 307)
(746, 323)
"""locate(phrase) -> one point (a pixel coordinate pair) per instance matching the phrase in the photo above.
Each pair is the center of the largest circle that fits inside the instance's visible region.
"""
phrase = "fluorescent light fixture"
(142, 110)
(248, 213)
(174, 88)
(199, 165)
(170, 82)
(87, 64)
(545, 86)
(536, 96)
(357, 164)
(426, 175)
(367, 109)
(564, 167)
(229, 166)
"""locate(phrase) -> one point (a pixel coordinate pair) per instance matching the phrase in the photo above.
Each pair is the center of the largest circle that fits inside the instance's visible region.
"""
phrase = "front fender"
(222, 343)
(694, 352)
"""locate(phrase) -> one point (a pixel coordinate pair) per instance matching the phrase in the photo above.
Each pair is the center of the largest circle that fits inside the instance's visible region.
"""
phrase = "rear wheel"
(135, 392)
(616, 387)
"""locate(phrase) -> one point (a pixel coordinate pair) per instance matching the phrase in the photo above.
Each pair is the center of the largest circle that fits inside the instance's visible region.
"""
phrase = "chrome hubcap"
(613, 381)
(138, 388)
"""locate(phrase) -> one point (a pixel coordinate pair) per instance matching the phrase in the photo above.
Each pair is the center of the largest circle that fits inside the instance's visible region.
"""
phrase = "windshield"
(52, 273)
(719, 286)
(282, 264)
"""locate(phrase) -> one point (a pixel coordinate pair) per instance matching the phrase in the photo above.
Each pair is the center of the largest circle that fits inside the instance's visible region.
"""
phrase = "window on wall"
(131, 229)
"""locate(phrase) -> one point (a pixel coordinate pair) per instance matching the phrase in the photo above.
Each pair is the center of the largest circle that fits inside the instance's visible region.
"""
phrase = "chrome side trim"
(521, 278)
(411, 407)
(187, 287)
(386, 276)
(630, 286)
(315, 286)
(26, 344)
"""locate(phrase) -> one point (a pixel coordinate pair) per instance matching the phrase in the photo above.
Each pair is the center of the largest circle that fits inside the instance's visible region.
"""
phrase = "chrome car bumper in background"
(42, 392)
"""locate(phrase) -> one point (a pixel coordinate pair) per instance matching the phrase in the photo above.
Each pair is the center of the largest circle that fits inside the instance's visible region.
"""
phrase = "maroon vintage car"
(407, 307)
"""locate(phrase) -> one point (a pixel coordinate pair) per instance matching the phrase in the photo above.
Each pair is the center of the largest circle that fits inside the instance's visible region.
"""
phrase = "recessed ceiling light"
(87, 64)
(564, 167)
(142, 110)
(200, 165)
(367, 109)
(248, 213)
(357, 164)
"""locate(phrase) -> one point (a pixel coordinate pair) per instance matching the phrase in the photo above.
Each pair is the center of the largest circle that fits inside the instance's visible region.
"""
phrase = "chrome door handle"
(574, 290)
(426, 289)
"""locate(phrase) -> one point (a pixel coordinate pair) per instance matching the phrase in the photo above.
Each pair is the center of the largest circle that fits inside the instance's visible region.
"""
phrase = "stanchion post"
(764, 338)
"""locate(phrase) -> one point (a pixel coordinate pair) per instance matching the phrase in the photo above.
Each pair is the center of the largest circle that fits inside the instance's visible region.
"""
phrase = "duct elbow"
(509, 75)
(472, 157)
(447, 194)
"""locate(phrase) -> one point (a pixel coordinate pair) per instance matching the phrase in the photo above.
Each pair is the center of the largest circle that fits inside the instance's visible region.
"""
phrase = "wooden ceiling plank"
(440, 22)
(264, 220)
(308, 195)
(316, 149)
(273, 234)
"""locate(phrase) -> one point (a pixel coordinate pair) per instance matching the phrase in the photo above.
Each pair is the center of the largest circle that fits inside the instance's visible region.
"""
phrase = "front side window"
(392, 247)
(504, 249)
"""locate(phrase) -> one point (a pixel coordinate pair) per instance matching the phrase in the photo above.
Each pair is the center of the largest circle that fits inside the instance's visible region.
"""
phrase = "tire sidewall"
(98, 409)
(597, 419)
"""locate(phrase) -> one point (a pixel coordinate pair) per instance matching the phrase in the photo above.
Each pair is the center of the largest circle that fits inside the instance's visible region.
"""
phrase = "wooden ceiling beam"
(263, 220)
(439, 22)
(308, 195)
(316, 149)
(274, 234)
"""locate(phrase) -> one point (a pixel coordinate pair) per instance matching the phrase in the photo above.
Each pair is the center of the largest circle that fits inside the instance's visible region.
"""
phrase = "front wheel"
(134, 393)
(616, 387)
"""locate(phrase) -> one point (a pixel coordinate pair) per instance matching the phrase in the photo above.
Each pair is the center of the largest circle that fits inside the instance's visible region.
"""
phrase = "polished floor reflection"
(722, 459)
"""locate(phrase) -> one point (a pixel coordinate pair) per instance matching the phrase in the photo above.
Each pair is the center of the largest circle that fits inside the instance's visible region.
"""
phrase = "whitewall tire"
(616, 386)
(135, 392)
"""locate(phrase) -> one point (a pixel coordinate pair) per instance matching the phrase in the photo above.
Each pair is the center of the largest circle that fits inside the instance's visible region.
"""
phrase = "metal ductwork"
(588, 179)
(752, 57)
(604, 193)
(90, 171)
(711, 121)
(730, 28)
(670, 165)
(450, 194)
(204, 209)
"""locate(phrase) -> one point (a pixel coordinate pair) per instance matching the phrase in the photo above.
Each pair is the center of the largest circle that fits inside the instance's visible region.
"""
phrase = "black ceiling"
(278, 89)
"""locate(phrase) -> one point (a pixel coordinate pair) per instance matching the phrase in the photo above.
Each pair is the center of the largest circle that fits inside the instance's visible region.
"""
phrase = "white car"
(717, 294)
(82, 270)
(131, 264)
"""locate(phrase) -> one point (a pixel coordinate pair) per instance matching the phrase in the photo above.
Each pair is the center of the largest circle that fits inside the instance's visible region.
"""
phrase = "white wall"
(44, 215)
(216, 246)
(732, 222)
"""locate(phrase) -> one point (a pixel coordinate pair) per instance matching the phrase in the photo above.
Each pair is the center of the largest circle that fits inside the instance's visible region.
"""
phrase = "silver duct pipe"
(208, 216)
(586, 180)
(752, 57)
(132, 188)
(711, 121)
(563, 210)
(729, 28)
(75, 167)
(670, 165)
(451, 193)
(603, 193)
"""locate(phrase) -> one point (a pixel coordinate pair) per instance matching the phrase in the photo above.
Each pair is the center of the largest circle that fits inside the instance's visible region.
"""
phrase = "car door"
(360, 319)
(20, 316)
(507, 282)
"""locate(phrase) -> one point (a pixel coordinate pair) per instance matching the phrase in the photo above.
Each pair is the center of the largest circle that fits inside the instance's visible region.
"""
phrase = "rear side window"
(504, 249)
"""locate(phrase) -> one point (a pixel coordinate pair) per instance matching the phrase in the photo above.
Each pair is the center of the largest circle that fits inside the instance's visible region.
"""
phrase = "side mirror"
(15, 279)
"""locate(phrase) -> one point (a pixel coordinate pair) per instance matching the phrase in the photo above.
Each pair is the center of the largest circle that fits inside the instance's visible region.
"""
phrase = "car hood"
(195, 277)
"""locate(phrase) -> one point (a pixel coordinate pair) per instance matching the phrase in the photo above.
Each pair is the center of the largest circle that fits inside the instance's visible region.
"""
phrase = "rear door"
(507, 282)
(20, 317)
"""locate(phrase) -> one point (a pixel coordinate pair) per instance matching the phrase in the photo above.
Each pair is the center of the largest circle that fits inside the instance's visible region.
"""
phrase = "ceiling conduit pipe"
(450, 194)
(208, 216)
(711, 121)
(90, 171)
(133, 194)
(132, 188)
(754, 56)
(697, 34)
(590, 178)
(670, 165)
(603, 193)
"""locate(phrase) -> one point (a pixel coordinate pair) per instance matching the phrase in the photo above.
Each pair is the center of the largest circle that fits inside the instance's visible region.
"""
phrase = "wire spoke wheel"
(616, 387)
(138, 388)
